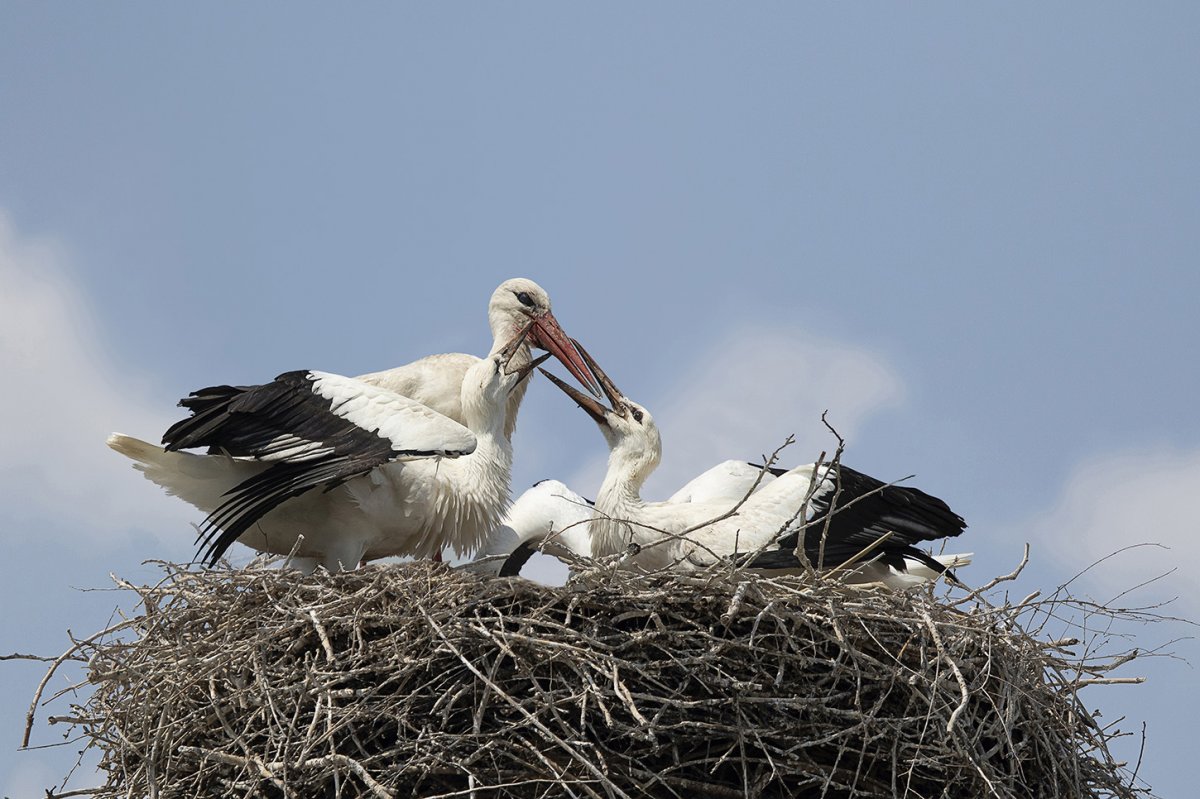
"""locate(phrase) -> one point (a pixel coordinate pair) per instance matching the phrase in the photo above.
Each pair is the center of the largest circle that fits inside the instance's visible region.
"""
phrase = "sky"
(969, 232)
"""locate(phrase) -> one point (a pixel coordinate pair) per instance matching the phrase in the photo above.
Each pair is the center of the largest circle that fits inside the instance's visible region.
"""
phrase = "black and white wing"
(863, 511)
(312, 429)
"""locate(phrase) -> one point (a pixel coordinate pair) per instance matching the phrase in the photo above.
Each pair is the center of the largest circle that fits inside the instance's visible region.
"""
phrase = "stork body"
(766, 526)
(335, 470)
(839, 511)
(728, 482)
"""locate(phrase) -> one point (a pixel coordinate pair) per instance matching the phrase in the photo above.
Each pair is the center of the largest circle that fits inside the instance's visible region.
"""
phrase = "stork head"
(634, 443)
(518, 302)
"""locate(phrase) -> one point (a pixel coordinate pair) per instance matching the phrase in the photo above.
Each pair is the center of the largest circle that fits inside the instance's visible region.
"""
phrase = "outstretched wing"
(312, 429)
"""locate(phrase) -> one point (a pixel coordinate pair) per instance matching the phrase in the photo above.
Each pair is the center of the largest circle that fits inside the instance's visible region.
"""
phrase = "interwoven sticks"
(417, 680)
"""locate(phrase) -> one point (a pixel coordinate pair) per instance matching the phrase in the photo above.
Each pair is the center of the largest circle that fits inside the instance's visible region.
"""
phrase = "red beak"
(548, 335)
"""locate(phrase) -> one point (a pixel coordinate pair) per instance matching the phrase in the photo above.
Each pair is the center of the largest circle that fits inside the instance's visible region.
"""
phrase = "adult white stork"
(839, 511)
(436, 380)
(337, 470)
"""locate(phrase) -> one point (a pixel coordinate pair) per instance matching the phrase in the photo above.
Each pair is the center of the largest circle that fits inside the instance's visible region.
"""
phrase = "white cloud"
(62, 395)
(1113, 502)
(755, 387)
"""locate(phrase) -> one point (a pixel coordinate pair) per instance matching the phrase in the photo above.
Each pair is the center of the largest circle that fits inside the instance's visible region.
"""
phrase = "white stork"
(351, 427)
(336, 470)
(695, 528)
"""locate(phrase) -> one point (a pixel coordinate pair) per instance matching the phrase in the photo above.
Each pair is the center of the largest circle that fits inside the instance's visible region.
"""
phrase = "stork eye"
(524, 298)
(637, 416)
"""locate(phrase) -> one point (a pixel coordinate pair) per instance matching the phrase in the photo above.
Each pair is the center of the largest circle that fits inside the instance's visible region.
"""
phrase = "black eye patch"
(637, 416)
(524, 298)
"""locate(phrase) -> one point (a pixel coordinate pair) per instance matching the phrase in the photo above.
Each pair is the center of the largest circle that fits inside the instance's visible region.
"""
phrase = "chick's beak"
(593, 408)
(523, 372)
(590, 406)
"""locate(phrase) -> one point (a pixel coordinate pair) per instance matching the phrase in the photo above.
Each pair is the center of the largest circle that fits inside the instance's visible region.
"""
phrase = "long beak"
(614, 395)
(590, 406)
(548, 334)
(525, 371)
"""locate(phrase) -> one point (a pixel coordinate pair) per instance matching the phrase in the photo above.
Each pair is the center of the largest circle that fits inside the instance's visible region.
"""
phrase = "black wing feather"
(867, 509)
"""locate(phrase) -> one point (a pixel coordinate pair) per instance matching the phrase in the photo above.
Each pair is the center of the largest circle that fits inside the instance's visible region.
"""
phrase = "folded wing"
(310, 429)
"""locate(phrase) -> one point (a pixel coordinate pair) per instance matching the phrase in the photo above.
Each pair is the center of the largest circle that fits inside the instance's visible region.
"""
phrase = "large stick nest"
(418, 680)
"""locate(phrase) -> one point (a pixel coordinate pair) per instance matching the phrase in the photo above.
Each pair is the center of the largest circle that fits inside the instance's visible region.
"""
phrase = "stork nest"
(419, 680)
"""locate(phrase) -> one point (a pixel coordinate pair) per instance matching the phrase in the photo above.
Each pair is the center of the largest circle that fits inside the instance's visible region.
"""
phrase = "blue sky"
(969, 231)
